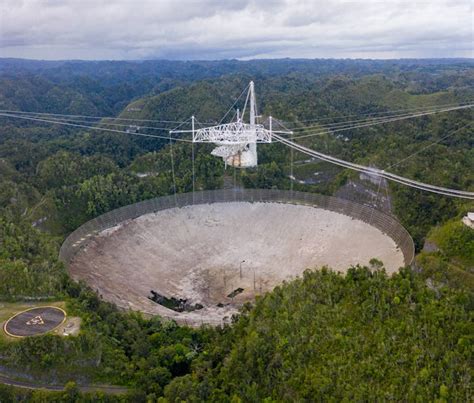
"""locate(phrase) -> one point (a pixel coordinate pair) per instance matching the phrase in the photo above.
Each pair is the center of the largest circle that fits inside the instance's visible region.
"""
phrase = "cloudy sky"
(244, 29)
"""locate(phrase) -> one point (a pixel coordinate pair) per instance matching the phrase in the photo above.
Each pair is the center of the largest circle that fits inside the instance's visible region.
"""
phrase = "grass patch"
(435, 266)
(456, 241)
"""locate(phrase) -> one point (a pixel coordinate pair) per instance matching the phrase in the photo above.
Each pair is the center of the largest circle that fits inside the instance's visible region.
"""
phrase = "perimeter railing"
(385, 223)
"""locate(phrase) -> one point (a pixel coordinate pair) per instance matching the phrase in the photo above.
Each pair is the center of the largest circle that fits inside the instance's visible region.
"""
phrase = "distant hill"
(108, 86)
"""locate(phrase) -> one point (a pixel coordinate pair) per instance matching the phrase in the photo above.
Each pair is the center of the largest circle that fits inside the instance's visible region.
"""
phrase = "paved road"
(108, 389)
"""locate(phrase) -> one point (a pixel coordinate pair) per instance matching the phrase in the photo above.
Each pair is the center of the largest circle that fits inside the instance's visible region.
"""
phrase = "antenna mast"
(253, 146)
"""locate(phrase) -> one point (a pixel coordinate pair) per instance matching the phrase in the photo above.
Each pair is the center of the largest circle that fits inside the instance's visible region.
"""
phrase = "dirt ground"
(71, 327)
(202, 253)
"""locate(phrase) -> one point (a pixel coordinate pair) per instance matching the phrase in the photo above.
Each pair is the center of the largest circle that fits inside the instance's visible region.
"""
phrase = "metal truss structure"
(233, 133)
(237, 141)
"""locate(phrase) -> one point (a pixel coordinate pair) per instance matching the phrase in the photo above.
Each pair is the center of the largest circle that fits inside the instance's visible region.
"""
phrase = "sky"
(228, 29)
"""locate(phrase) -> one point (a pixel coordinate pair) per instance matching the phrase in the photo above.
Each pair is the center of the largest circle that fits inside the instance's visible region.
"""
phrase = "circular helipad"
(34, 321)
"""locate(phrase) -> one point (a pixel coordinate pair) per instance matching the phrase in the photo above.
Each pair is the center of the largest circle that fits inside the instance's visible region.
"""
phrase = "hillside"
(361, 337)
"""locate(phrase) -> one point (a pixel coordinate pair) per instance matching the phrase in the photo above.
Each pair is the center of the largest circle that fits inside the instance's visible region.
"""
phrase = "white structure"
(469, 220)
(237, 141)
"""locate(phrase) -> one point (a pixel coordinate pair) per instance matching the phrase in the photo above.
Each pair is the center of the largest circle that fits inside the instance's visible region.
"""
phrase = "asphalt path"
(108, 389)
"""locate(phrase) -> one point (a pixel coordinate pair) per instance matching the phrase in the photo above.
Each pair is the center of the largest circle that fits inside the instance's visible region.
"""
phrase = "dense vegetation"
(360, 337)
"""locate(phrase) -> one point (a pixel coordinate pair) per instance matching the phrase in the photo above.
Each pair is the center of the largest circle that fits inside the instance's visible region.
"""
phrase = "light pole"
(243, 261)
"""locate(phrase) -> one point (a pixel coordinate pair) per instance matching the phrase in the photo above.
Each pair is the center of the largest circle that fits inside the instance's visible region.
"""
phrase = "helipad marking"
(37, 320)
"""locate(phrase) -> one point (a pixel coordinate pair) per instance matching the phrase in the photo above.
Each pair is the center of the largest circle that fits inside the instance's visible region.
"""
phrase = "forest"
(360, 337)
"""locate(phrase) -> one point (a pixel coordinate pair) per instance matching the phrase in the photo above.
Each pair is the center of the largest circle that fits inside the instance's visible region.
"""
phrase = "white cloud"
(213, 29)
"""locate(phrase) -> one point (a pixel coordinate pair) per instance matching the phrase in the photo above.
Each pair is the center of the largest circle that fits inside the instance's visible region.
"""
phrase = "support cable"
(90, 127)
(172, 158)
(377, 119)
(396, 178)
(245, 89)
(172, 171)
(235, 179)
(245, 106)
(99, 123)
(377, 172)
(382, 112)
(317, 133)
(192, 154)
(292, 177)
(376, 200)
(51, 115)
(428, 146)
